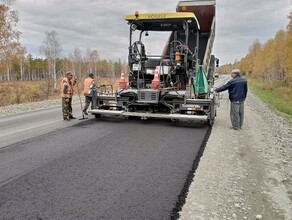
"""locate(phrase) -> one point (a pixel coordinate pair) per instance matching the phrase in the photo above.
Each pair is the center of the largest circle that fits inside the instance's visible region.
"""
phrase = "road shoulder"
(244, 174)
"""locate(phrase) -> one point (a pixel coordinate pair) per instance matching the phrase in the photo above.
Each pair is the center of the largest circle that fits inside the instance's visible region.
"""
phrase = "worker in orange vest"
(67, 89)
(89, 89)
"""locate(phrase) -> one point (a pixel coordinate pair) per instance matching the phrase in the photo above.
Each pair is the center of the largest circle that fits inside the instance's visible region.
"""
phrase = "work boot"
(85, 112)
(66, 119)
(237, 129)
(71, 117)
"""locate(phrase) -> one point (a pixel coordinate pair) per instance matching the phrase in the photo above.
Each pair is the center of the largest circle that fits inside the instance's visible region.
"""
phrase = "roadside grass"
(16, 92)
(277, 97)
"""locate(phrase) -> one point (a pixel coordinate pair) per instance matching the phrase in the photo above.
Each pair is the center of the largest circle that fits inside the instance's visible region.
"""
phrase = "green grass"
(276, 98)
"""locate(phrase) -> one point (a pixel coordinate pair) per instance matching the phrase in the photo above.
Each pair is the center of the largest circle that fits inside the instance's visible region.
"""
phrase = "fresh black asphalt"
(99, 169)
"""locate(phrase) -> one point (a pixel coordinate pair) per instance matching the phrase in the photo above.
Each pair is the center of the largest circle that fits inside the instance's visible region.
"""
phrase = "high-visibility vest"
(87, 83)
(66, 88)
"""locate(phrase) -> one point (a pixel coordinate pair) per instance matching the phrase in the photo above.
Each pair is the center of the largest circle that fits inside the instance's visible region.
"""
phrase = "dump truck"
(175, 84)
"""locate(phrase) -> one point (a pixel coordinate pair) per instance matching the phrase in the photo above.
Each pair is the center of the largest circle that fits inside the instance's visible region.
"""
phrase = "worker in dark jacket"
(237, 88)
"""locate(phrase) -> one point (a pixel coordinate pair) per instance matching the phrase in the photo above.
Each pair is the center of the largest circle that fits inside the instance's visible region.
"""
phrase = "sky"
(100, 25)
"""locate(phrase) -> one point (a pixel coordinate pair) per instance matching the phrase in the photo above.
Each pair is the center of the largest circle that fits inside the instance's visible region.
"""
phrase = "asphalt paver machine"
(176, 84)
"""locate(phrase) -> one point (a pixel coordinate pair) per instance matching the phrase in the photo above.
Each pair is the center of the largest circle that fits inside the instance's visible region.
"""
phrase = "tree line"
(16, 64)
(270, 62)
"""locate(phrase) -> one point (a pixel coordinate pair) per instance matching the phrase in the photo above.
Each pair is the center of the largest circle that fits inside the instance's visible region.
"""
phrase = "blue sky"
(100, 25)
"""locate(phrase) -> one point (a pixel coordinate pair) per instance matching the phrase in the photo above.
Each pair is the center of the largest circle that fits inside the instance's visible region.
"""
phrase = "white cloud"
(100, 25)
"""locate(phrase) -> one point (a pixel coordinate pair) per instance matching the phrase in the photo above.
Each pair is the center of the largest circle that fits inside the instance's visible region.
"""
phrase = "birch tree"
(9, 35)
(51, 48)
(94, 59)
(288, 61)
(21, 60)
(77, 61)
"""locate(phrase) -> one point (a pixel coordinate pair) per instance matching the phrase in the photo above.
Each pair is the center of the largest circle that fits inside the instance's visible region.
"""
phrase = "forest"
(267, 65)
(268, 69)
(270, 62)
(25, 78)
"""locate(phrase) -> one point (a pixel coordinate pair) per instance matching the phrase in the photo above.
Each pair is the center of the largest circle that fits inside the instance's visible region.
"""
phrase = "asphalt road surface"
(16, 128)
(97, 169)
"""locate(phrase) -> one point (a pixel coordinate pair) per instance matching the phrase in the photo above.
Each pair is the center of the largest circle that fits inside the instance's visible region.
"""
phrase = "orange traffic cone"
(155, 82)
(122, 82)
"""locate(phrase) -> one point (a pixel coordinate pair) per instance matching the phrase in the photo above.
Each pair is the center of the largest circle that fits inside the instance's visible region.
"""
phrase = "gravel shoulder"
(34, 106)
(244, 174)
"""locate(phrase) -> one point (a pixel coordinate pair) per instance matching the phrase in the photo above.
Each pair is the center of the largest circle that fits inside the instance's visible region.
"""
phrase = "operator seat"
(138, 51)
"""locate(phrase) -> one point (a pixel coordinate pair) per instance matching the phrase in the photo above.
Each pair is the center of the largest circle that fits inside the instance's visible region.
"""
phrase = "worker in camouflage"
(67, 90)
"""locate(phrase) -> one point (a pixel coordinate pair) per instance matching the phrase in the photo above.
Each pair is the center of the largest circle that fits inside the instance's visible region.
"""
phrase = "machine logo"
(153, 16)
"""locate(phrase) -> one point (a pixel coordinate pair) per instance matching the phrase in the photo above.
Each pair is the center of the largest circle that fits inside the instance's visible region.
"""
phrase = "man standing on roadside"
(67, 89)
(237, 89)
(89, 88)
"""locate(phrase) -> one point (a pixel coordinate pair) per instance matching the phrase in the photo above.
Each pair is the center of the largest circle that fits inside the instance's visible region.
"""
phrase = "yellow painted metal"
(158, 16)
(162, 15)
(162, 21)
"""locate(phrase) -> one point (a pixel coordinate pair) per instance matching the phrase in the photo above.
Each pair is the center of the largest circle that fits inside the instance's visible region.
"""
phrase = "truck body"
(176, 84)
